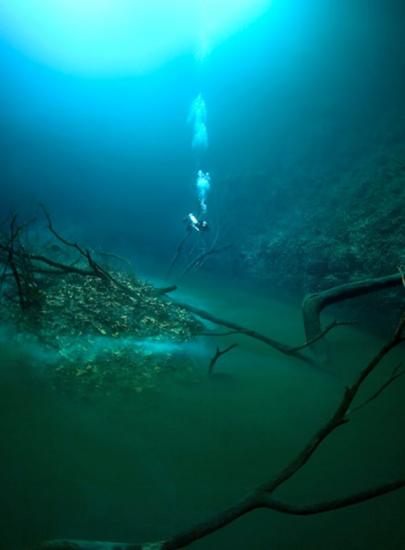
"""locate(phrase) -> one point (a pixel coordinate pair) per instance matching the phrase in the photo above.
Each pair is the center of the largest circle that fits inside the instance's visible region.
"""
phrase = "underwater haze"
(175, 178)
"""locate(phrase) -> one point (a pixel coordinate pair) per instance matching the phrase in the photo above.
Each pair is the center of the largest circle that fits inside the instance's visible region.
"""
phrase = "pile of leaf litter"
(105, 330)
(106, 338)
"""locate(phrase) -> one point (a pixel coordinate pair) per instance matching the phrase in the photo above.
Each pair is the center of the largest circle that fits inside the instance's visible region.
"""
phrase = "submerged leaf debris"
(105, 340)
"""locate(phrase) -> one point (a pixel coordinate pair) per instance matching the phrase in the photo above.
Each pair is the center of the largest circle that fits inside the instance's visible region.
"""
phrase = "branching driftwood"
(235, 328)
(262, 496)
(397, 372)
(86, 265)
(201, 248)
(20, 265)
(15, 259)
(25, 265)
(217, 355)
(313, 304)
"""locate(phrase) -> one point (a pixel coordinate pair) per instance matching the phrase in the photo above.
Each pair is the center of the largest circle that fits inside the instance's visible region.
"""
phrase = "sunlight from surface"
(98, 37)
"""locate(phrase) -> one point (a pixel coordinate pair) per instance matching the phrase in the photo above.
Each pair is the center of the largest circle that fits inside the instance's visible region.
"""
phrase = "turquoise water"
(148, 465)
(277, 138)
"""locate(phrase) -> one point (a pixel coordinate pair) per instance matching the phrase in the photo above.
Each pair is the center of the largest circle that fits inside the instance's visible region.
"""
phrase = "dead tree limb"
(94, 267)
(335, 504)
(396, 373)
(213, 333)
(217, 355)
(113, 256)
(64, 268)
(84, 253)
(9, 262)
(164, 290)
(313, 304)
(402, 273)
(279, 346)
(177, 253)
(323, 333)
(201, 258)
(261, 496)
(15, 259)
(59, 237)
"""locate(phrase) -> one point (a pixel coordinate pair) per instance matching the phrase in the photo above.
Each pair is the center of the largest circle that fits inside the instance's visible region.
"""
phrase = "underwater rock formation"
(315, 228)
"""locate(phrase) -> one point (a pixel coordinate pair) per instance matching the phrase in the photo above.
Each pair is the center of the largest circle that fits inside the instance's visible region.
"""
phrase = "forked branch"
(217, 355)
(262, 496)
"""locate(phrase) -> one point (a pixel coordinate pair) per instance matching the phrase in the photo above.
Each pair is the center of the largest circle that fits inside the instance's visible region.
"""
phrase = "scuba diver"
(196, 224)
(193, 223)
(203, 184)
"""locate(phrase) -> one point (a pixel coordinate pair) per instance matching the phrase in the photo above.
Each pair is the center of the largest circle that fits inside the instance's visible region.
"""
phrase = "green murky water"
(143, 467)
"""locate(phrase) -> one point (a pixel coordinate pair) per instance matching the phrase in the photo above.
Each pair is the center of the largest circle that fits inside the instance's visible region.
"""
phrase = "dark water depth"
(145, 466)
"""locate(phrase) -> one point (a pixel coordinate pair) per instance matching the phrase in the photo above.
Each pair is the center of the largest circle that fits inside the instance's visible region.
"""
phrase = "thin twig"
(402, 273)
(213, 333)
(177, 253)
(335, 504)
(116, 257)
(198, 262)
(323, 333)
(217, 355)
(58, 236)
(261, 497)
(396, 373)
(279, 346)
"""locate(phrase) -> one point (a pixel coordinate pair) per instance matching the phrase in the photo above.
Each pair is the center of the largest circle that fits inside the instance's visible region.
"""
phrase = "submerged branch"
(396, 373)
(217, 355)
(279, 346)
(314, 304)
(213, 333)
(261, 497)
(323, 333)
(201, 258)
(164, 290)
(335, 504)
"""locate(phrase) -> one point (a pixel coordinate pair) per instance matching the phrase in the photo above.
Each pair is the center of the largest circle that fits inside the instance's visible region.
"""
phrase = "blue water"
(300, 138)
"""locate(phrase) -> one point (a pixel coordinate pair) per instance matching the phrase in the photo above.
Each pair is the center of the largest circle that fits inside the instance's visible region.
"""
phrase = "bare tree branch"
(261, 496)
(177, 254)
(217, 355)
(323, 333)
(66, 268)
(213, 333)
(116, 257)
(58, 236)
(279, 346)
(201, 258)
(21, 271)
(335, 504)
(313, 304)
(164, 290)
(402, 273)
(396, 373)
